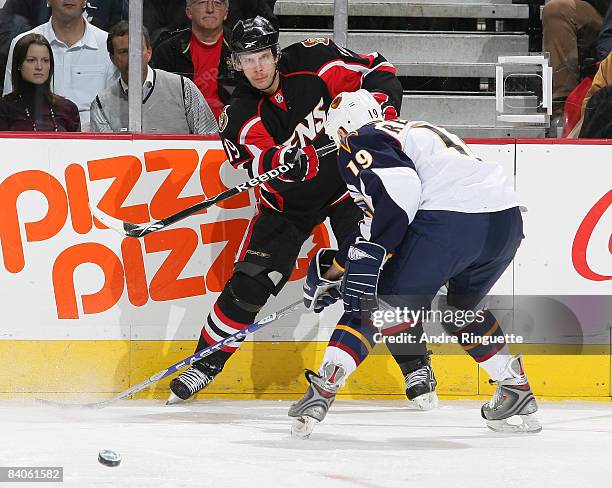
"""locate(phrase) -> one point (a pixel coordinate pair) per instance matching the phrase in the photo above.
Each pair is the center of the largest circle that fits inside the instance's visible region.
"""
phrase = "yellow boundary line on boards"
(275, 370)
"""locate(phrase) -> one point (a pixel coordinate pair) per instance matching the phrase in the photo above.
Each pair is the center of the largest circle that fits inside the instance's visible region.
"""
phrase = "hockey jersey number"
(364, 160)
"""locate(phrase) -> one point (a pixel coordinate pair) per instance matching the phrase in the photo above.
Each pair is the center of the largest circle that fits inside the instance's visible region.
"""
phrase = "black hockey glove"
(305, 163)
(360, 281)
(320, 292)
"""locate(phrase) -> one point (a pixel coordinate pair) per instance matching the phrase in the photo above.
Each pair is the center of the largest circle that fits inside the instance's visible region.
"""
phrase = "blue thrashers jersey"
(392, 169)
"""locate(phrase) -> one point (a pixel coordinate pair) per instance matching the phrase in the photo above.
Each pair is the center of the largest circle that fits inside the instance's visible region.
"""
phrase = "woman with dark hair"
(32, 105)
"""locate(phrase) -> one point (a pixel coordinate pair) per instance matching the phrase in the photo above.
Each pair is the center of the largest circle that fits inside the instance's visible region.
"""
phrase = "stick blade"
(110, 222)
(119, 226)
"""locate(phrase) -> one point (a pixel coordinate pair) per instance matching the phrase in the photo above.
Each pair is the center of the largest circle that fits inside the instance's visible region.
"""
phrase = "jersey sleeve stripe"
(267, 203)
(244, 131)
(344, 196)
(386, 66)
(342, 64)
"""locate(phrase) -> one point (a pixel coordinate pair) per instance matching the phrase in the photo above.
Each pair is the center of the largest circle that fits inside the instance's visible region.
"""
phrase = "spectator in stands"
(78, 47)
(597, 123)
(163, 17)
(101, 13)
(202, 53)
(32, 105)
(568, 24)
(19, 16)
(602, 78)
(604, 44)
(171, 104)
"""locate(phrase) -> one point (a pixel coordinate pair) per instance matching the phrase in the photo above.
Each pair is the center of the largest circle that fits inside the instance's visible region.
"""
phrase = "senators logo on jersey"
(223, 119)
(313, 41)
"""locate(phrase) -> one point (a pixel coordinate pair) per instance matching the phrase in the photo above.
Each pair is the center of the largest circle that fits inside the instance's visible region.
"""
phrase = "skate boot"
(315, 403)
(513, 406)
(192, 380)
(421, 384)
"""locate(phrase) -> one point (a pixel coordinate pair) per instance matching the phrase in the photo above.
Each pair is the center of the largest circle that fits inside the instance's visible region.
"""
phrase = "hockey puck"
(109, 458)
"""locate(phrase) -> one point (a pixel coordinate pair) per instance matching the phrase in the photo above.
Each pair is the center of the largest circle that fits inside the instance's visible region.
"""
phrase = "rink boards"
(85, 310)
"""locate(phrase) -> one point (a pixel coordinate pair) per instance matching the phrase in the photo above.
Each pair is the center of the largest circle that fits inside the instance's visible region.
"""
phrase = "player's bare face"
(260, 70)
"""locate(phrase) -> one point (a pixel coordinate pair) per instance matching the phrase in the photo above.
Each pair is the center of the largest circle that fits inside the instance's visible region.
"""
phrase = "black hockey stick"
(241, 334)
(141, 230)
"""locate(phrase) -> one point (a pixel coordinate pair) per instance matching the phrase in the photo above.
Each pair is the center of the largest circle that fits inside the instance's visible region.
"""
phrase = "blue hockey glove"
(360, 281)
(318, 291)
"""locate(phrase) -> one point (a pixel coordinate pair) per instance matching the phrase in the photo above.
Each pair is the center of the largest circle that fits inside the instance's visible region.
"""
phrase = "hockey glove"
(318, 291)
(305, 163)
(388, 109)
(360, 281)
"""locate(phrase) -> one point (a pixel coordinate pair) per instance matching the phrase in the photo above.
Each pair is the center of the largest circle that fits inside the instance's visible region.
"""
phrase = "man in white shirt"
(82, 66)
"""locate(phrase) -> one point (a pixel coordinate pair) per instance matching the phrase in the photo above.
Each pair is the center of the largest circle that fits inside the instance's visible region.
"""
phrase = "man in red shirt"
(201, 52)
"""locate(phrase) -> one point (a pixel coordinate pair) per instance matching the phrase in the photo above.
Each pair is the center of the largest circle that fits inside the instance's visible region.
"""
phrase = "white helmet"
(350, 111)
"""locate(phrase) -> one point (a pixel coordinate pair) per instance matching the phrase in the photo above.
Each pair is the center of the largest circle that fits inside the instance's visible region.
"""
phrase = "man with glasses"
(201, 52)
(277, 117)
(171, 104)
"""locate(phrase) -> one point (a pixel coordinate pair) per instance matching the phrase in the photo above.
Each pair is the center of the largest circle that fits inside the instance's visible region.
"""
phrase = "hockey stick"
(241, 334)
(141, 230)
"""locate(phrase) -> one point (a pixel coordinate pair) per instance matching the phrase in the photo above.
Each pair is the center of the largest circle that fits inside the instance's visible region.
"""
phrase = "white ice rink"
(361, 444)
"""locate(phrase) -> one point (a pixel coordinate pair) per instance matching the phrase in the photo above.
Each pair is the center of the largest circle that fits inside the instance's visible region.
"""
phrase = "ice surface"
(363, 444)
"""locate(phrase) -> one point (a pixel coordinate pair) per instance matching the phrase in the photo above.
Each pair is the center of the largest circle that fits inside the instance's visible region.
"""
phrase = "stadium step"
(432, 53)
(462, 109)
(494, 9)
(479, 132)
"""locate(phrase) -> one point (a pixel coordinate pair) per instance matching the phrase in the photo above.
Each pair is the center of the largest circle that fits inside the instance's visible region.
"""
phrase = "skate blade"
(516, 424)
(426, 401)
(173, 399)
(302, 427)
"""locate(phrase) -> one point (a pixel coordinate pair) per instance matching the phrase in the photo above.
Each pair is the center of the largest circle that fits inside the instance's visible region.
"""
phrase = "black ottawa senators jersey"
(256, 128)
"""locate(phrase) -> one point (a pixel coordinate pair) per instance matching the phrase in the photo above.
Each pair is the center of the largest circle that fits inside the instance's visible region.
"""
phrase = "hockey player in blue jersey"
(435, 215)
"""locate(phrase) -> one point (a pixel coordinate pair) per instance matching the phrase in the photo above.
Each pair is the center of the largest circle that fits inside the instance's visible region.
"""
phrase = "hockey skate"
(315, 403)
(513, 407)
(421, 384)
(191, 381)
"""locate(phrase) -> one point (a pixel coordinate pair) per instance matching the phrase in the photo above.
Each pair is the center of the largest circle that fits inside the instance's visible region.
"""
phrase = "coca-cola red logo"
(583, 236)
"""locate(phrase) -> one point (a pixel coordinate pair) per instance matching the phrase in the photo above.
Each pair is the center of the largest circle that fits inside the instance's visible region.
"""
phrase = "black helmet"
(252, 35)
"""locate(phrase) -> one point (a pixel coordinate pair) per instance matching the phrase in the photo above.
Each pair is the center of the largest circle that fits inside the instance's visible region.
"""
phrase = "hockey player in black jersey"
(435, 214)
(277, 117)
